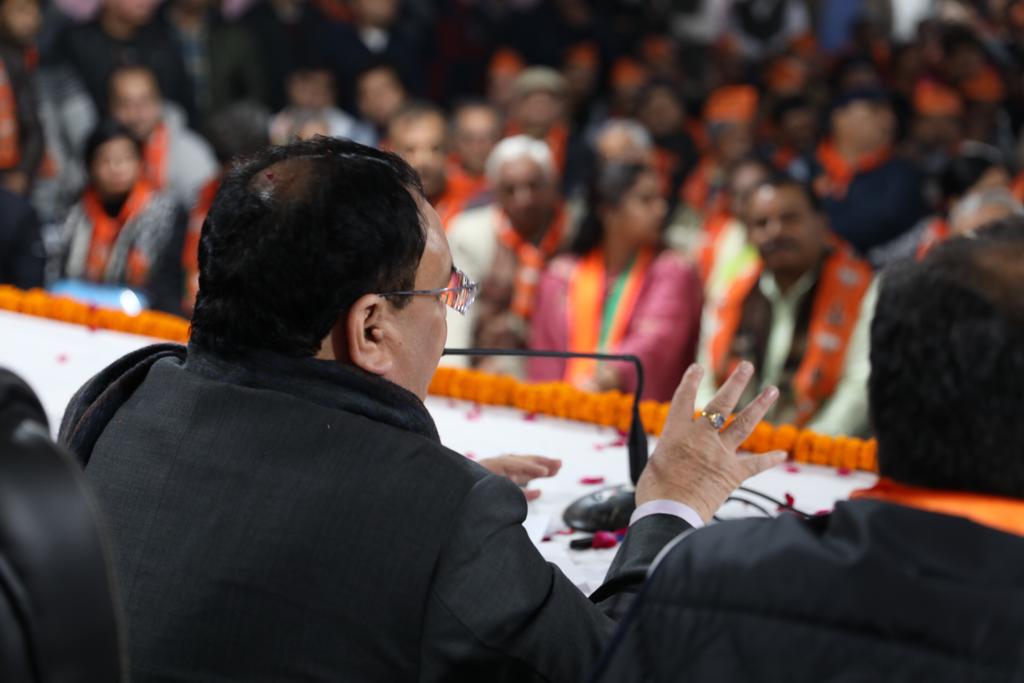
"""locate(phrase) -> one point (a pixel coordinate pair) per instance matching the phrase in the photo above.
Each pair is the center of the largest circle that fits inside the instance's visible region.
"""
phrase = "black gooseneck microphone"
(637, 439)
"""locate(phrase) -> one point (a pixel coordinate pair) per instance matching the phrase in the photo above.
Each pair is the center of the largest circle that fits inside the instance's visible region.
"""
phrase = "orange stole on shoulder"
(1004, 514)
(105, 230)
(839, 174)
(585, 310)
(10, 147)
(530, 259)
(841, 287)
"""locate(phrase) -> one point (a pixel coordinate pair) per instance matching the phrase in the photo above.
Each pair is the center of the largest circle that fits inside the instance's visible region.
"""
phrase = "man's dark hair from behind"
(297, 234)
(947, 362)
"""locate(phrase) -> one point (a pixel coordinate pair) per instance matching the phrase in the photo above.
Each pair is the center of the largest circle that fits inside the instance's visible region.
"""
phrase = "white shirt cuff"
(667, 507)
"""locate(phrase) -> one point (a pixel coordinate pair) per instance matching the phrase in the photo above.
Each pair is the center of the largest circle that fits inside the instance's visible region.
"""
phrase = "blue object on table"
(117, 297)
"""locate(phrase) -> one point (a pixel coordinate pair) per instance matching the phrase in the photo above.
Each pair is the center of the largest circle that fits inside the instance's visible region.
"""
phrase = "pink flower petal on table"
(62, 358)
(546, 539)
(792, 469)
(474, 413)
(819, 513)
(589, 481)
(844, 471)
(604, 539)
(471, 456)
(451, 403)
(530, 417)
(564, 532)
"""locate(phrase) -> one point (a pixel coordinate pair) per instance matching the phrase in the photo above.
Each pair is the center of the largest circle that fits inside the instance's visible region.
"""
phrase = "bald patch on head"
(285, 181)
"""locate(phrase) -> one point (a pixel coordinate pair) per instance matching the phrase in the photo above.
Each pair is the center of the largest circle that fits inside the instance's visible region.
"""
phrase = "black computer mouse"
(607, 509)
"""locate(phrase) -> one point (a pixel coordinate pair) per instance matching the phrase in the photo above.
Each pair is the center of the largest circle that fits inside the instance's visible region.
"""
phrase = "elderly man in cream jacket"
(505, 246)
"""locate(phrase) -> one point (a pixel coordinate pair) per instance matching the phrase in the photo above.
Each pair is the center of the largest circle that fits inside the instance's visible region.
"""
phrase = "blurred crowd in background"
(678, 179)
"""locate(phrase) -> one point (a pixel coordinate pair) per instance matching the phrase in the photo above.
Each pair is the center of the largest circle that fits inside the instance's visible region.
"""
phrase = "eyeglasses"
(459, 295)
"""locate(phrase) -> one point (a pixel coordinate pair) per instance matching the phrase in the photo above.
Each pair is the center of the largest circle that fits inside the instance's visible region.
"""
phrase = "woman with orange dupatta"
(620, 291)
(122, 231)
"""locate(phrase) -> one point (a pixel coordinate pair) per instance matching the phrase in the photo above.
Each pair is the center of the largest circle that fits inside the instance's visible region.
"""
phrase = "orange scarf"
(530, 258)
(585, 306)
(839, 173)
(711, 243)
(1004, 514)
(702, 191)
(10, 149)
(190, 254)
(155, 156)
(842, 284)
(105, 231)
(936, 233)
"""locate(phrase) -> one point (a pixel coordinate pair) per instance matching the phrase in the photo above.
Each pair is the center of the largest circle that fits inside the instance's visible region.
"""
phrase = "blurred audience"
(620, 291)
(380, 93)
(312, 98)
(476, 128)
(123, 231)
(175, 158)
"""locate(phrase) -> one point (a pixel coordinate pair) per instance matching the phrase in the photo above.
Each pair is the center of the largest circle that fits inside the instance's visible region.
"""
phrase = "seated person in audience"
(724, 250)
(311, 95)
(729, 116)
(124, 31)
(619, 291)
(539, 111)
(801, 315)
(123, 231)
(937, 127)
(476, 129)
(502, 71)
(871, 197)
(221, 58)
(321, 530)
(982, 208)
(21, 133)
(663, 113)
(175, 159)
(977, 167)
(505, 247)
(235, 132)
(418, 132)
(380, 93)
(920, 578)
(22, 254)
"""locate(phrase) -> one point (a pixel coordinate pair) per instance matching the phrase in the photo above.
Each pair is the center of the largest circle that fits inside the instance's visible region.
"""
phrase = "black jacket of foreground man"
(292, 519)
(872, 592)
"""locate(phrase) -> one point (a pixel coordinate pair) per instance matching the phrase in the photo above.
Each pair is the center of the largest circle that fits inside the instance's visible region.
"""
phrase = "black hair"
(947, 358)
(104, 132)
(967, 168)
(296, 234)
(381, 64)
(609, 185)
(788, 104)
(780, 181)
(239, 130)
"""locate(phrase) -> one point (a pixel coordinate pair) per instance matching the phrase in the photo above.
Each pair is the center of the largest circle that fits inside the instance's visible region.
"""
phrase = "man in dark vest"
(280, 502)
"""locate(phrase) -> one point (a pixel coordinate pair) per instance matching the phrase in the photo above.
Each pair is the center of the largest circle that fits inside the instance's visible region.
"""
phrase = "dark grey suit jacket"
(281, 519)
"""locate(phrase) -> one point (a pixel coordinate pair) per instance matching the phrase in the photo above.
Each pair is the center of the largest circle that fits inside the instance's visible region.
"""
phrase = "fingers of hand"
(531, 494)
(681, 411)
(745, 423)
(750, 465)
(728, 395)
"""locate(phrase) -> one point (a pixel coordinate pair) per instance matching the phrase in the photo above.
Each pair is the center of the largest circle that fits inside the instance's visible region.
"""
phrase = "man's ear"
(366, 329)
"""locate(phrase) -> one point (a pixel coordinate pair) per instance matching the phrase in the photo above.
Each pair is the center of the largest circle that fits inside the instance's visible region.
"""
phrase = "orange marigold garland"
(610, 408)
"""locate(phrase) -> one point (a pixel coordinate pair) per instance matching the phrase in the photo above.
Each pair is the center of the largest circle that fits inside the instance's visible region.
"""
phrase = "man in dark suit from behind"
(280, 502)
(920, 578)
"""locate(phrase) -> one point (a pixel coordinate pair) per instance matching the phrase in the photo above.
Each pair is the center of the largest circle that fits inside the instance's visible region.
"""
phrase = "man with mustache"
(801, 314)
